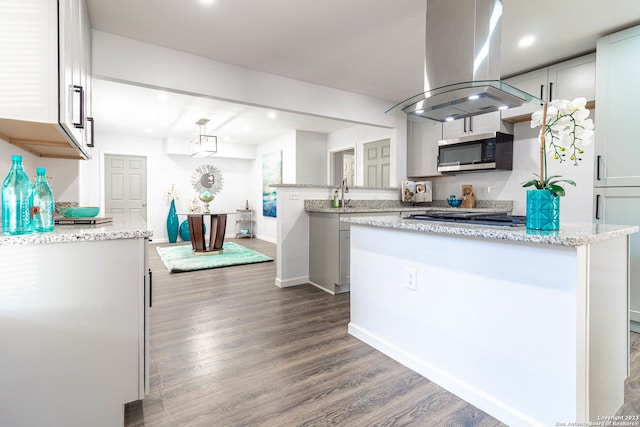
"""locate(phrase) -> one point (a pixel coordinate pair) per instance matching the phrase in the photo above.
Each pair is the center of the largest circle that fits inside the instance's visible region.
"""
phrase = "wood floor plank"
(229, 348)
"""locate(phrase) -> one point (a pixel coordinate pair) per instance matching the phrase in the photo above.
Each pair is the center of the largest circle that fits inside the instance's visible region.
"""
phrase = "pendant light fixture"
(203, 145)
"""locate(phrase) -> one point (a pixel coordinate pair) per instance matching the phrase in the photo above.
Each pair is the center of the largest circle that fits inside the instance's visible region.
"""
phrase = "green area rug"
(180, 258)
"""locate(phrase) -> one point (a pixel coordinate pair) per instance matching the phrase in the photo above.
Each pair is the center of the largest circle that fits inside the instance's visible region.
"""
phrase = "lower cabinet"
(329, 247)
(73, 328)
(621, 205)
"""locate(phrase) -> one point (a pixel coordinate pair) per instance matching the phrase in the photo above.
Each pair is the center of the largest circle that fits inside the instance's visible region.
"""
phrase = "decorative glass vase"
(172, 223)
(543, 210)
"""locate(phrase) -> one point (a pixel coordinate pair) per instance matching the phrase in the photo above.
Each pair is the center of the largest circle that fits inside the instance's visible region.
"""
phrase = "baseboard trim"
(292, 282)
(470, 394)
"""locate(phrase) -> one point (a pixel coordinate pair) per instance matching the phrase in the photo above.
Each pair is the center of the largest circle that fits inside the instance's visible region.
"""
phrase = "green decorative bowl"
(80, 212)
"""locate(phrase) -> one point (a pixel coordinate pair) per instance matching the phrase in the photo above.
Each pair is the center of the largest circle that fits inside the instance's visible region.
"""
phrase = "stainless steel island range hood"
(462, 63)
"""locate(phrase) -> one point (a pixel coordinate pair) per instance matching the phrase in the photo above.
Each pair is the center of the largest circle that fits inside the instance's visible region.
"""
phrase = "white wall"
(266, 226)
(311, 158)
(64, 172)
(576, 206)
(129, 61)
(163, 171)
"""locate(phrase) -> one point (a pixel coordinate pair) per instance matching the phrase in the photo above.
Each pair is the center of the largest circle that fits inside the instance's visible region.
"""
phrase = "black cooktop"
(481, 218)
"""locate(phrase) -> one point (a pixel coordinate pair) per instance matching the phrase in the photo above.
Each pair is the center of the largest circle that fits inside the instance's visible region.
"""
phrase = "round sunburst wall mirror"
(207, 178)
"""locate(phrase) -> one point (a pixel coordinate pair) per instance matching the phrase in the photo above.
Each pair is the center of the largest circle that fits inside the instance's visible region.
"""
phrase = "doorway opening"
(342, 166)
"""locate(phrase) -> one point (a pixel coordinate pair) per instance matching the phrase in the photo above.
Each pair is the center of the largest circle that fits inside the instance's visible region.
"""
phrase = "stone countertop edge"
(122, 227)
(364, 210)
(377, 206)
(568, 235)
(331, 187)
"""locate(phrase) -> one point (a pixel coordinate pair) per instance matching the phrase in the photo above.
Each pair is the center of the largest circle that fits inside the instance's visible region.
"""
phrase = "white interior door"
(125, 184)
(377, 163)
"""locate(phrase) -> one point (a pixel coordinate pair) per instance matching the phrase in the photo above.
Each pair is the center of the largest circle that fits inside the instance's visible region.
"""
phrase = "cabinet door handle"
(598, 168)
(92, 133)
(550, 92)
(597, 206)
(79, 90)
(470, 124)
(150, 288)
(541, 91)
(464, 122)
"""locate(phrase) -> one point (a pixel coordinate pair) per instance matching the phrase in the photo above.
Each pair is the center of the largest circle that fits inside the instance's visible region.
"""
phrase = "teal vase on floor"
(543, 210)
(172, 223)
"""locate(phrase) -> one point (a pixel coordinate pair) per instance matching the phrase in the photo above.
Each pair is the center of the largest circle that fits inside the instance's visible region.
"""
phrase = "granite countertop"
(568, 235)
(381, 206)
(364, 209)
(122, 227)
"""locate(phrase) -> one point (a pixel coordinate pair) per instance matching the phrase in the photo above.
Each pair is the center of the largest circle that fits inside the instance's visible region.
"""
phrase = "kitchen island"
(531, 327)
(73, 324)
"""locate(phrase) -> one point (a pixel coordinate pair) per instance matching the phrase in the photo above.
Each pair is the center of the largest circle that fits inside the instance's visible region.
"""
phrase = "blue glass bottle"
(43, 203)
(17, 200)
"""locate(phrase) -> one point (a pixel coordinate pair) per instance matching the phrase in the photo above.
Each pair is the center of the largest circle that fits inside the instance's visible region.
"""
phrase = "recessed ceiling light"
(503, 107)
(419, 111)
(207, 2)
(449, 119)
(271, 115)
(526, 41)
(473, 97)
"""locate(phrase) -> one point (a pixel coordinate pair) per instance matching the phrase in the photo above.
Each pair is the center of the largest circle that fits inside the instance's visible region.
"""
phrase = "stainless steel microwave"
(489, 151)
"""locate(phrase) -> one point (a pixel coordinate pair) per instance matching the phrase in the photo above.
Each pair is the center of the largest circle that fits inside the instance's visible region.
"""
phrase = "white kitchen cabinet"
(476, 125)
(422, 148)
(73, 331)
(566, 80)
(46, 46)
(616, 131)
(621, 205)
(329, 247)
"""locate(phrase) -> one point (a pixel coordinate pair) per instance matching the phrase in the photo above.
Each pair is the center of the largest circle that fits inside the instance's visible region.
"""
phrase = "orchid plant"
(171, 194)
(566, 129)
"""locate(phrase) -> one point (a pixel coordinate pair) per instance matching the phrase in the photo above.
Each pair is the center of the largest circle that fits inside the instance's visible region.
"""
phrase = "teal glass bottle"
(17, 200)
(43, 203)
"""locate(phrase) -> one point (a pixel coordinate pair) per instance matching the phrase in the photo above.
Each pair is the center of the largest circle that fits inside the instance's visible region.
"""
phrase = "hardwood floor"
(229, 348)
(631, 404)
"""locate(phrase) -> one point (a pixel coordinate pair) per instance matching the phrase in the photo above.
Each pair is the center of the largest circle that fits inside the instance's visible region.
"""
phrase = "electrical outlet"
(411, 281)
(294, 196)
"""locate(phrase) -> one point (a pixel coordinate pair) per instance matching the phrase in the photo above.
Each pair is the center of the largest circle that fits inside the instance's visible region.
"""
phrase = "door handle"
(598, 168)
(92, 134)
(550, 91)
(597, 206)
(541, 91)
(79, 90)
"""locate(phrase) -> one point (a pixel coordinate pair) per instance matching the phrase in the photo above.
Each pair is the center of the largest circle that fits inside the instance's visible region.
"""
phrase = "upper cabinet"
(616, 146)
(45, 79)
(422, 148)
(475, 125)
(566, 80)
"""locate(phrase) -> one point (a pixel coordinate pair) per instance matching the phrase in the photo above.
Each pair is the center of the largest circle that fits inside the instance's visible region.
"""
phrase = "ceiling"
(368, 47)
